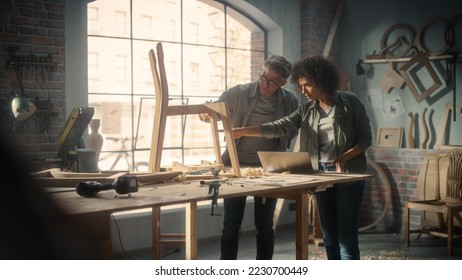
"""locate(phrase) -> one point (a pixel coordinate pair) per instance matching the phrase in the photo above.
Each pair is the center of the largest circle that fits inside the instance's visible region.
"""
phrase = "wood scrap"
(53, 178)
(410, 132)
(441, 141)
(392, 79)
(425, 130)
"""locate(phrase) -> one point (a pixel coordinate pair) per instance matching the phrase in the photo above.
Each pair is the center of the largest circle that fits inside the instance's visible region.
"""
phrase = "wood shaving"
(252, 172)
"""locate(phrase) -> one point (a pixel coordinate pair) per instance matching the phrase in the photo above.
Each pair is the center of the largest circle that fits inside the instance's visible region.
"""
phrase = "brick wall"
(35, 30)
(316, 19)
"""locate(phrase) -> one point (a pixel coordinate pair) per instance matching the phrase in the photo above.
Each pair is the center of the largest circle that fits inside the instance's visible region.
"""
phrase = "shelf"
(405, 59)
(12, 64)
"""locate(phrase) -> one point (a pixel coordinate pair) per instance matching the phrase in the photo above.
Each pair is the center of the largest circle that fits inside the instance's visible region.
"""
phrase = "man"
(249, 105)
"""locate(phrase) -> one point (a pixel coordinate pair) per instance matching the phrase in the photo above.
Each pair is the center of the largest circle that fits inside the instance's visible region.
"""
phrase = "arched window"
(208, 45)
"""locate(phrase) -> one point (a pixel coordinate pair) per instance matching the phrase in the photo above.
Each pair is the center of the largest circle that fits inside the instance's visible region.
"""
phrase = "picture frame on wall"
(390, 137)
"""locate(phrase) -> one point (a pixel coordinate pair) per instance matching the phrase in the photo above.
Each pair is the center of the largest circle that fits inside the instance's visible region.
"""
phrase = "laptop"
(293, 162)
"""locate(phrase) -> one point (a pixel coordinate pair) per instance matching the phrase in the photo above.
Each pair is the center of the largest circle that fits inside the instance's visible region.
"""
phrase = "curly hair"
(317, 70)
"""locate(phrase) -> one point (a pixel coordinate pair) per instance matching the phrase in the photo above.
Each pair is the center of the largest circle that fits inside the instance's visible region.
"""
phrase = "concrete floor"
(373, 246)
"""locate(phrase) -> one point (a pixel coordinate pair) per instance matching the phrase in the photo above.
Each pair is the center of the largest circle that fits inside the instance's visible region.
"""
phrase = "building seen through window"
(208, 47)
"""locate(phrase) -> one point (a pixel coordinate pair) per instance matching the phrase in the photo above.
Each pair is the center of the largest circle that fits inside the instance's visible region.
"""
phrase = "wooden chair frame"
(446, 213)
(217, 111)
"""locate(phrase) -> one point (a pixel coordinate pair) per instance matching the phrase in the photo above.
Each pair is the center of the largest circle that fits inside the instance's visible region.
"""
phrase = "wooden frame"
(444, 122)
(404, 70)
(217, 111)
(390, 137)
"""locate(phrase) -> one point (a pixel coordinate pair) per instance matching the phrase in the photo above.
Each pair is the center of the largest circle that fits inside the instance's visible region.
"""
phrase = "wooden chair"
(217, 111)
(446, 204)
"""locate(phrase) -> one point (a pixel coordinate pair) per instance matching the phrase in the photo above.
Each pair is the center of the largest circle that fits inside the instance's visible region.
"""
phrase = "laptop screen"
(293, 162)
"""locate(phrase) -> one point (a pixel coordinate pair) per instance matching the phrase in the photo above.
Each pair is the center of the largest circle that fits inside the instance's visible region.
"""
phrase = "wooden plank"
(410, 131)
(191, 231)
(444, 123)
(218, 110)
(333, 29)
(177, 110)
(425, 130)
(160, 115)
(302, 232)
(156, 232)
(75, 178)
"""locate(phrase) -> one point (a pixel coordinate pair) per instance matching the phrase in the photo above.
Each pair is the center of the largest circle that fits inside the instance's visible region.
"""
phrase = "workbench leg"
(302, 222)
(156, 244)
(317, 235)
(98, 229)
(191, 231)
(407, 225)
(450, 222)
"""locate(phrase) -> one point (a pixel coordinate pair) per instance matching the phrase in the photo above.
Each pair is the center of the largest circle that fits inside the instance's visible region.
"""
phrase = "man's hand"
(205, 117)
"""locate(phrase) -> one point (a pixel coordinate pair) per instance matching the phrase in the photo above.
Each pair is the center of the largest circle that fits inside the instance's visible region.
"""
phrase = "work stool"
(217, 112)
(447, 209)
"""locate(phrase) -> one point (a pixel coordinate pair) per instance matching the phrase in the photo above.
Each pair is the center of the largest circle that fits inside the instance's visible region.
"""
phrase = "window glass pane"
(199, 133)
(203, 23)
(257, 59)
(115, 115)
(204, 71)
(239, 67)
(196, 156)
(198, 69)
(109, 18)
(144, 109)
(242, 33)
(113, 73)
(143, 82)
(171, 155)
(142, 161)
(157, 20)
(172, 62)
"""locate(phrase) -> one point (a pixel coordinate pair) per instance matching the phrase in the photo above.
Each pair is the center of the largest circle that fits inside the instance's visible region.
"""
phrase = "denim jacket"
(241, 100)
(351, 127)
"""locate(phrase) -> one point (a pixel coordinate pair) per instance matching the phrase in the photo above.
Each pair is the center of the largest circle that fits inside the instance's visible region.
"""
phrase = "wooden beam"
(333, 29)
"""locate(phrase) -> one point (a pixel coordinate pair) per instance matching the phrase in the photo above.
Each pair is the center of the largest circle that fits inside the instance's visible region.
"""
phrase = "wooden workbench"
(97, 210)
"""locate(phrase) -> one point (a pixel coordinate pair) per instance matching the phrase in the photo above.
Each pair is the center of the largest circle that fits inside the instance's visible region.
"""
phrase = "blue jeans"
(339, 209)
(263, 216)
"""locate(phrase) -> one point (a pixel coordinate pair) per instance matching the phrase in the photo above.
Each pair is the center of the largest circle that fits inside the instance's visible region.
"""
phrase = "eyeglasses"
(271, 83)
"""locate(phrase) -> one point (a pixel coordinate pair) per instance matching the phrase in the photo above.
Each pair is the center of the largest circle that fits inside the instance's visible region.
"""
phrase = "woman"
(335, 130)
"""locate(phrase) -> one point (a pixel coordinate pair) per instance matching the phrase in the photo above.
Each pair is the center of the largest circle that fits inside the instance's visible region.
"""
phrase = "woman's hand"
(341, 160)
(246, 131)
